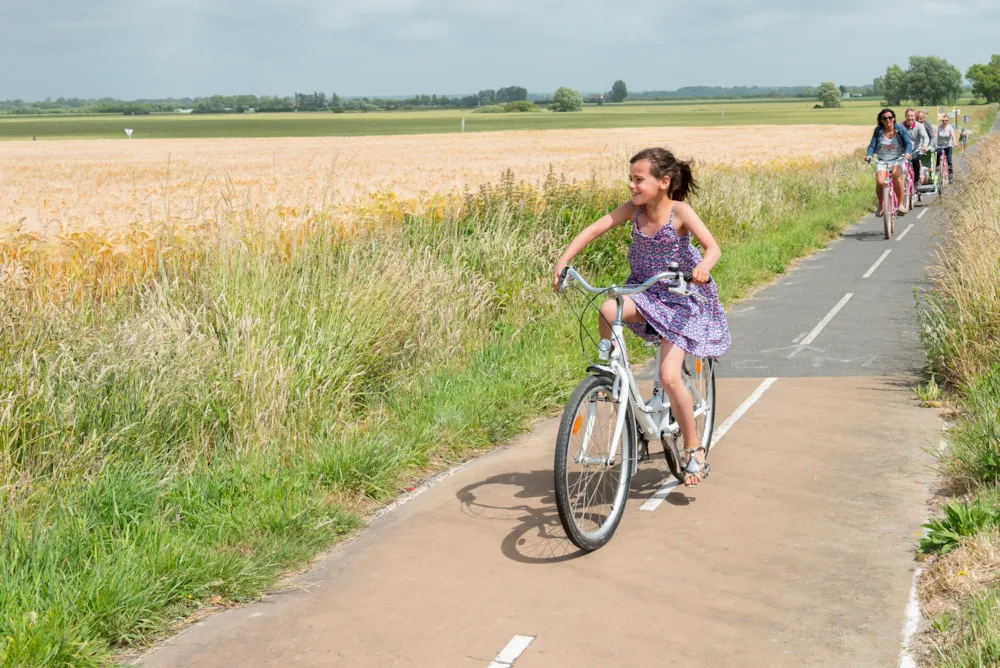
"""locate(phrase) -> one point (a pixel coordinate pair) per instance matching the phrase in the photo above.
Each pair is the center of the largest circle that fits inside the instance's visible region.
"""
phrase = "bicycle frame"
(652, 420)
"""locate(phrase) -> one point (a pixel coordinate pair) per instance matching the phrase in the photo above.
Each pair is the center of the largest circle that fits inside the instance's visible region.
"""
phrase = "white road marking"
(509, 654)
(872, 269)
(798, 338)
(912, 621)
(908, 228)
(826, 320)
(921, 214)
(913, 615)
(653, 502)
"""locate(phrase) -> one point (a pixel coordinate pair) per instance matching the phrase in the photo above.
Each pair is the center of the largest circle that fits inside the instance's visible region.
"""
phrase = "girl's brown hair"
(663, 163)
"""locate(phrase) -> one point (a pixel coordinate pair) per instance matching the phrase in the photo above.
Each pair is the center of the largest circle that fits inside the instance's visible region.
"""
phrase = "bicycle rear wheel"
(699, 373)
(591, 490)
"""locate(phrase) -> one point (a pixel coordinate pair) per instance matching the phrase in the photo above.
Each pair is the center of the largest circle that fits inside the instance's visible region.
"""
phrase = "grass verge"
(182, 424)
(960, 592)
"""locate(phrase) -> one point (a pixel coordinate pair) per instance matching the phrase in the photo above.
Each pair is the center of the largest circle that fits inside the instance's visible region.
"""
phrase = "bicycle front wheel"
(887, 209)
(591, 486)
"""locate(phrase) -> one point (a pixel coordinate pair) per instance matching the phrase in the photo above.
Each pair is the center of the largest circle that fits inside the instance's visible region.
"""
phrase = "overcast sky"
(161, 48)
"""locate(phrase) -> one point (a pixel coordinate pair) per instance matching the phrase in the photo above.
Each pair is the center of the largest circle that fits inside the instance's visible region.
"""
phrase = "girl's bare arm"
(691, 223)
(601, 226)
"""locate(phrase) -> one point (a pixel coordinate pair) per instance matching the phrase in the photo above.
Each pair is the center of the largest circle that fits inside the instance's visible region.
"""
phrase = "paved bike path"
(796, 552)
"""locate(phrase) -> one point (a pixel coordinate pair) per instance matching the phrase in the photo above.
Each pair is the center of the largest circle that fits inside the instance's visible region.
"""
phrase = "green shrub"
(489, 109)
(520, 106)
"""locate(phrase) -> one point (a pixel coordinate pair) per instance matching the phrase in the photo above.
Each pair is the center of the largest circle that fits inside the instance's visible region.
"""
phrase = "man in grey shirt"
(920, 138)
(922, 118)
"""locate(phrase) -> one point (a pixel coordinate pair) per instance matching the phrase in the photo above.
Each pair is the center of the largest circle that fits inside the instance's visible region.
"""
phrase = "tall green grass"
(961, 331)
(184, 441)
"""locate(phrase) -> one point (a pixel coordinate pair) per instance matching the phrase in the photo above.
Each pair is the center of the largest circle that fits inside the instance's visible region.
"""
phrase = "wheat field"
(50, 191)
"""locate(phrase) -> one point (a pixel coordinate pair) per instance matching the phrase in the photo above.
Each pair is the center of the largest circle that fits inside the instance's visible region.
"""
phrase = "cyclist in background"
(963, 138)
(918, 135)
(891, 147)
(944, 145)
(922, 118)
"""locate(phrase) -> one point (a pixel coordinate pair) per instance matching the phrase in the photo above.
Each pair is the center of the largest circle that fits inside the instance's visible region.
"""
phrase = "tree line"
(985, 79)
(928, 80)
(217, 104)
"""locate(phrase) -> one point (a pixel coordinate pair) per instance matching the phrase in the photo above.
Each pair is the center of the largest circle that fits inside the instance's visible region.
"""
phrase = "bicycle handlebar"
(673, 274)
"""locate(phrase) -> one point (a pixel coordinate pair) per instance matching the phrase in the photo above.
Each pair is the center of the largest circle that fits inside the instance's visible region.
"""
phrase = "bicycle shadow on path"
(528, 498)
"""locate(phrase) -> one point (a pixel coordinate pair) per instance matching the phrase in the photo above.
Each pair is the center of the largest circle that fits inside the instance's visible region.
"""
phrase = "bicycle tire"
(703, 379)
(942, 173)
(887, 209)
(592, 530)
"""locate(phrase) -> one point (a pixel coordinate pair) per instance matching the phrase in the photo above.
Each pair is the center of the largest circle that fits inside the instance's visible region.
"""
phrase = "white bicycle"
(607, 425)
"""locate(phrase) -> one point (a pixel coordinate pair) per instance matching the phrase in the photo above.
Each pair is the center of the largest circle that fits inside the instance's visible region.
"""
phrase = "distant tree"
(894, 85)
(511, 94)
(829, 95)
(485, 97)
(567, 99)
(932, 80)
(878, 86)
(843, 90)
(335, 102)
(985, 80)
(618, 91)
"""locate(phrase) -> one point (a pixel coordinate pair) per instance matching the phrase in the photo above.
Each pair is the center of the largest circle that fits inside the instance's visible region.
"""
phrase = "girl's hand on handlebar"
(868, 159)
(909, 157)
(700, 275)
(560, 265)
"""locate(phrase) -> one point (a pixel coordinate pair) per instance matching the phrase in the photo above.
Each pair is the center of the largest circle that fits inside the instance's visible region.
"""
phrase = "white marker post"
(128, 131)
(463, 124)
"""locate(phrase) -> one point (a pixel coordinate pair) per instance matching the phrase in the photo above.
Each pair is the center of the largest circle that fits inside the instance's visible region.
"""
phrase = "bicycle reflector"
(576, 424)
(697, 365)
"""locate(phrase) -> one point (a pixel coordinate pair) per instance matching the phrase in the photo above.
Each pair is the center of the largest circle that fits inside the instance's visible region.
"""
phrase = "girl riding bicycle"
(662, 226)
(891, 147)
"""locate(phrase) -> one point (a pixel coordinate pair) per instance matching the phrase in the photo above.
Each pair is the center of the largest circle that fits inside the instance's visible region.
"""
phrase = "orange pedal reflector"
(697, 366)
(576, 424)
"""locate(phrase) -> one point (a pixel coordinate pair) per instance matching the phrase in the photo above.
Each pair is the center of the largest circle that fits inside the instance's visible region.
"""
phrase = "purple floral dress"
(699, 327)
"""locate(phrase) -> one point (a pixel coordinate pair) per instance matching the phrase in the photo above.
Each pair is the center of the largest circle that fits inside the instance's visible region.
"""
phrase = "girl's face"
(643, 185)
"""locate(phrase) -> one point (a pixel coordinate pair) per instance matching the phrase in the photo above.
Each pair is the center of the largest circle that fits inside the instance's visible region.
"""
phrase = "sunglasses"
(888, 117)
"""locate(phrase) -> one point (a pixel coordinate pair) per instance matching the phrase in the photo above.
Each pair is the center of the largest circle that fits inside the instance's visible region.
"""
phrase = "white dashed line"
(908, 228)
(509, 654)
(921, 214)
(653, 502)
(826, 320)
(877, 263)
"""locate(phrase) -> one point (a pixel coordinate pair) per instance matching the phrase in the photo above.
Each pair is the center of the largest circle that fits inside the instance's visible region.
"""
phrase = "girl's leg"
(671, 358)
(879, 186)
(897, 185)
(609, 310)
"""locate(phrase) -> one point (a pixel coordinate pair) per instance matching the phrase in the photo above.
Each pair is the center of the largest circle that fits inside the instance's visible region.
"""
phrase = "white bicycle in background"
(607, 425)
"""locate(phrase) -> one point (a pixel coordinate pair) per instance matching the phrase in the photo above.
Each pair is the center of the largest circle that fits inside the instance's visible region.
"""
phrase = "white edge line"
(509, 654)
(921, 214)
(877, 263)
(908, 228)
(653, 502)
(826, 320)
(912, 613)
(906, 659)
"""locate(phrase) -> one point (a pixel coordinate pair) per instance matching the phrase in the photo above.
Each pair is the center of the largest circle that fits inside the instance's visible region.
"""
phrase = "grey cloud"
(155, 48)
